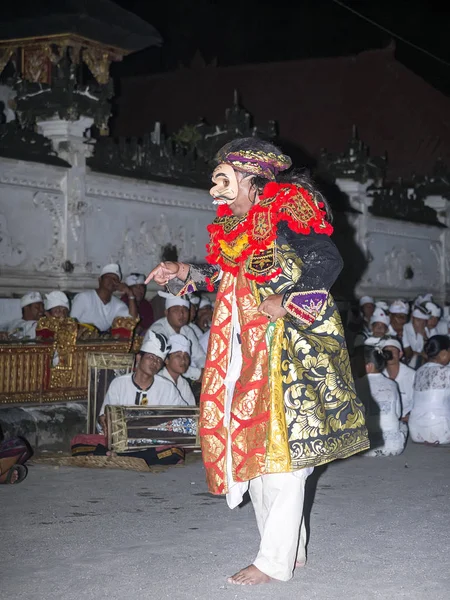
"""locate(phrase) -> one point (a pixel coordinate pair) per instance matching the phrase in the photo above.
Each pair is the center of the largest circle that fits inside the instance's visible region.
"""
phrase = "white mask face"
(226, 186)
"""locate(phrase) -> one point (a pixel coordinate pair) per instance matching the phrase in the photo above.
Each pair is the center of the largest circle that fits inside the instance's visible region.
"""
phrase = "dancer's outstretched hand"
(163, 273)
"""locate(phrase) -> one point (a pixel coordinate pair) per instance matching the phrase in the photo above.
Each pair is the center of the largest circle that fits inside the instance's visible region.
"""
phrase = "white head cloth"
(193, 299)
(394, 343)
(30, 298)
(398, 307)
(179, 343)
(372, 341)
(433, 309)
(366, 300)
(155, 343)
(56, 298)
(205, 302)
(422, 299)
(379, 316)
(112, 268)
(418, 313)
(172, 300)
(382, 304)
(135, 279)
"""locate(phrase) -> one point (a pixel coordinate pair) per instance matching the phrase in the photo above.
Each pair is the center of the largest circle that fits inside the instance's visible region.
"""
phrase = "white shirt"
(411, 339)
(204, 340)
(21, 329)
(196, 329)
(123, 391)
(405, 382)
(87, 307)
(440, 329)
(182, 386)
(198, 356)
(381, 399)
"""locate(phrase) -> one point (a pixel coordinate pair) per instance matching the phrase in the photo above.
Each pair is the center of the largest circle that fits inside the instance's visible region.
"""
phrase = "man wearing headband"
(400, 373)
(57, 305)
(398, 313)
(382, 401)
(358, 322)
(435, 325)
(176, 321)
(277, 397)
(100, 307)
(32, 310)
(415, 335)
(379, 326)
(194, 301)
(136, 283)
(203, 317)
(176, 364)
(144, 387)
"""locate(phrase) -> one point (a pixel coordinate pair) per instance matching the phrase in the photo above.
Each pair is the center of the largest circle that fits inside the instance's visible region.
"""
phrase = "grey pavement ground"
(380, 528)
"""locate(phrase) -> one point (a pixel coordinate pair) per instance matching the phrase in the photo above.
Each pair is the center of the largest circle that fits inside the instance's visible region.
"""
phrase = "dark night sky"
(262, 31)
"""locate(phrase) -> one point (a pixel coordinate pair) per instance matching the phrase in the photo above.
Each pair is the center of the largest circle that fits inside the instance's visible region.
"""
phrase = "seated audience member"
(99, 307)
(57, 305)
(176, 364)
(414, 336)
(381, 399)
(145, 386)
(204, 340)
(379, 325)
(194, 301)
(176, 321)
(400, 373)
(367, 306)
(398, 315)
(429, 420)
(203, 317)
(435, 325)
(358, 327)
(32, 310)
(135, 282)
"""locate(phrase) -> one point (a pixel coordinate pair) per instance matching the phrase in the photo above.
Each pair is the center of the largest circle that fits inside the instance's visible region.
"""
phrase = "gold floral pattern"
(324, 417)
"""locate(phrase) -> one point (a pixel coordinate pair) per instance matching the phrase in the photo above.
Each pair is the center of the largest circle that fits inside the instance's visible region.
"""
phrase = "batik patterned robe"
(294, 404)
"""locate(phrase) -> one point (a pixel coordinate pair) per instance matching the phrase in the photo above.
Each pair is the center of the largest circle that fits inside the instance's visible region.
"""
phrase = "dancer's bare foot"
(300, 563)
(251, 575)
(14, 476)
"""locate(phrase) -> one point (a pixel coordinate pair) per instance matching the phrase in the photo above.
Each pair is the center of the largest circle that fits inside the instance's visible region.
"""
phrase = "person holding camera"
(382, 402)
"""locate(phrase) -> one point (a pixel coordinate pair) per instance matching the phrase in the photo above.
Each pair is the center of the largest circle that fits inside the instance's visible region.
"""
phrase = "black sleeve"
(321, 264)
(201, 278)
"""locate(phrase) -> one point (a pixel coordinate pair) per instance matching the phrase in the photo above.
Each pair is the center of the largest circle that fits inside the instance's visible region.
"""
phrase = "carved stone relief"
(52, 203)
(11, 253)
(143, 246)
(405, 269)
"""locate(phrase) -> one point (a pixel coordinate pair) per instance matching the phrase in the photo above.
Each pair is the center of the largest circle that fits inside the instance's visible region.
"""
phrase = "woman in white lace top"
(429, 420)
(382, 402)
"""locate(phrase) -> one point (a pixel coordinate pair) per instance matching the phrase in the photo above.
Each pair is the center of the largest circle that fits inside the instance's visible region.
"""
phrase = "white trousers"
(278, 503)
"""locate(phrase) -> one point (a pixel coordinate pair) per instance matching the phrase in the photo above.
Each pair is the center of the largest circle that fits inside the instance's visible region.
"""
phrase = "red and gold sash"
(250, 409)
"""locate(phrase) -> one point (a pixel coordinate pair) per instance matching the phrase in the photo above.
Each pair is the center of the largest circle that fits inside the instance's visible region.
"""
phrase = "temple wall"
(403, 259)
(59, 226)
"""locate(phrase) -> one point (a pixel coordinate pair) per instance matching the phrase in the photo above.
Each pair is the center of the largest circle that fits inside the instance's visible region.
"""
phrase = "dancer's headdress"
(251, 155)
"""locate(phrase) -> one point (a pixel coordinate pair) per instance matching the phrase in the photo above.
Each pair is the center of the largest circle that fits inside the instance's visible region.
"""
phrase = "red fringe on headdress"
(283, 195)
